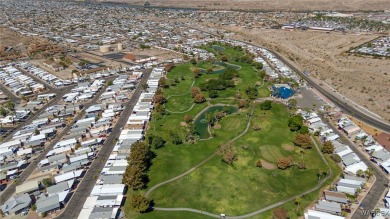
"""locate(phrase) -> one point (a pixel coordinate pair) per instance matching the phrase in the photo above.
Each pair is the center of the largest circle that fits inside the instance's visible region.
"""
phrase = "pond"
(201, 124)
(223, 64)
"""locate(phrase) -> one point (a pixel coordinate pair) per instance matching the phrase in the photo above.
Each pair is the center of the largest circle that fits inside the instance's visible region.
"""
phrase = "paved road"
(84, 189)
(47, 85)
(377, 189)
(54, 101)
(342, 104)
(338, 101)
(9, 191)
(15, 99)
(204, 161)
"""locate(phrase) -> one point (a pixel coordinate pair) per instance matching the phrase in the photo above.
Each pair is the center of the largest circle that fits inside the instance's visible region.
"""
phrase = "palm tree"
(369, 173)
(360, 173)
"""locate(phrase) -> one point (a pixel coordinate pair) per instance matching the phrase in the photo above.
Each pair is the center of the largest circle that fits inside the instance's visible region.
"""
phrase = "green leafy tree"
(266, 105)
(368, 173)
(47, 182)
(213, 94)
(210, 118)
(138, 162)
(251, 92)
(304, 130)
(160, 99)
(162, 82)
(3, 112)
(327, 147)
(33, 207)
(195, 91)
(175, 138)
(187, 118)
(295, 123)
(242, 103)
(292, 103)
(139, 203)
(199, 98)
(259, 164)
(303, 141)
(159, 108)
(336, 158)
(10, 105)
(284, 162)
(228, 153)
(156, 141)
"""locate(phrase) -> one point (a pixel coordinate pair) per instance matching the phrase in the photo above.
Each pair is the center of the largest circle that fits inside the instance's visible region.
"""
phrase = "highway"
(84, 189)
(344, 106)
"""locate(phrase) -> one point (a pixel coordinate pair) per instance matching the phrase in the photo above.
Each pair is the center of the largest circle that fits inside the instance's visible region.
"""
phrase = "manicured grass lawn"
(241, 188)
(215, 186)
(172, 215)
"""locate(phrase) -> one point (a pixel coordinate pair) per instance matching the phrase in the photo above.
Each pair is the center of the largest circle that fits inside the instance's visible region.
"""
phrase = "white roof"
(85, 213)
(27, 187)
(78, 158)
(67, 176)
(314, 120)
(347, 190)
(58, 151)
(320, 215)
(109, 201)
(351, 182)
(67, 142)
(344, 152)
(24, 151)
(90, 202)
(37, 137)
(374, 147)
(10, 143)
(356, 166)
(86, 120)
(112, 189)
(332, 137)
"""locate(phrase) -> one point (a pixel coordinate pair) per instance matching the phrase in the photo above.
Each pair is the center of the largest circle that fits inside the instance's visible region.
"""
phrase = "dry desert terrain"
(293, 5)
(363, 79)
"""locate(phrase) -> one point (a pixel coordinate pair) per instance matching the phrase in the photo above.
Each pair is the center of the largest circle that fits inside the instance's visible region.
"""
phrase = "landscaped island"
(224, 147)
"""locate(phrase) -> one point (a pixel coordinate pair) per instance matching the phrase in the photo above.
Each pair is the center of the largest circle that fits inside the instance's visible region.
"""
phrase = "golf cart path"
(254, 213)
(201, 163)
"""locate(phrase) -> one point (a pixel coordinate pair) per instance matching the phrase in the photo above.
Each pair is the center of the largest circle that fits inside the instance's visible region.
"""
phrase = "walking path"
(251, 214)
(192, 106)
(179, 95)
(201, 163)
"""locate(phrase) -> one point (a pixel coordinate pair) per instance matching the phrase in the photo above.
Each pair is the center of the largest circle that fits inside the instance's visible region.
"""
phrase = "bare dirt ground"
(158, 53)
(288, 147)
(365, 127)
(267, 165)
(293, 5)
(64, 74)
(363, 79)
(11, 38)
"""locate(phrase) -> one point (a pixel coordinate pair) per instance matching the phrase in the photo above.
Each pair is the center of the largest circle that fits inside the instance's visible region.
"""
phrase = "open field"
(11, 38)
(363, 79)
(158, 53)
(293, 5)
(64, 74)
